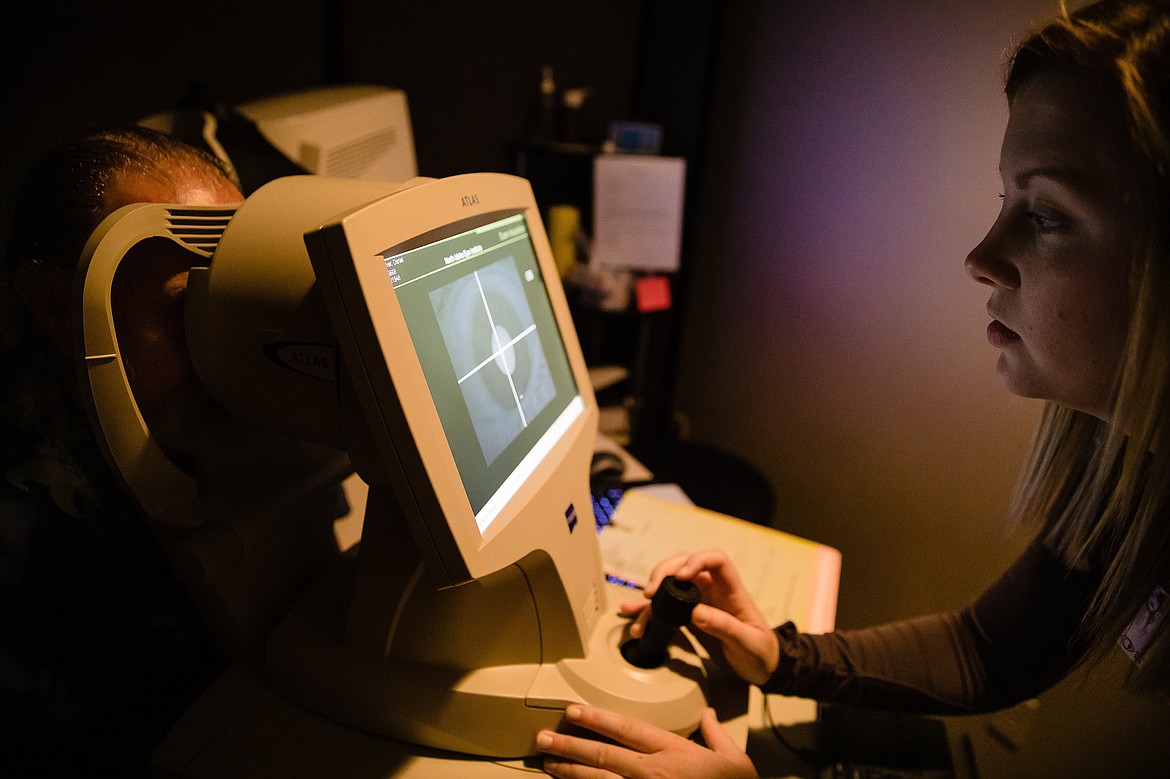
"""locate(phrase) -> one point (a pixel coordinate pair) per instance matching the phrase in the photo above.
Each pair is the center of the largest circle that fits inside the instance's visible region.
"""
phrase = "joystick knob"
(670, 609)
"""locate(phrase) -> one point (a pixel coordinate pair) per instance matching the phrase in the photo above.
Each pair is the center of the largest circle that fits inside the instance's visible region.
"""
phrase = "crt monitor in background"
(348, 130)
(359, 131)
(423, 329)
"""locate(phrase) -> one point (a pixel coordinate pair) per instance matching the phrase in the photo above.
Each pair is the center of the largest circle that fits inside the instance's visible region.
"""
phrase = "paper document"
(638, 211)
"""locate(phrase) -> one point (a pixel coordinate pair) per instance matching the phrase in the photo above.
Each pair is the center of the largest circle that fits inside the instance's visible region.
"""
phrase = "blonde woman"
(1078, 271)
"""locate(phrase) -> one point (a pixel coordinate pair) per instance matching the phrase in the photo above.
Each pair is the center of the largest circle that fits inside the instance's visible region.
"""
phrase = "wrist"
(778, 675)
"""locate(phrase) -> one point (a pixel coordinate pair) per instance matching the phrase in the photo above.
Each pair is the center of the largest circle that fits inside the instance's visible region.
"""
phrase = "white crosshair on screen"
(503, 350)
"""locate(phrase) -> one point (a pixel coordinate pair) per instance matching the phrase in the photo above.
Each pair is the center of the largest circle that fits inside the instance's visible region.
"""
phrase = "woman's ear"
(47, 294)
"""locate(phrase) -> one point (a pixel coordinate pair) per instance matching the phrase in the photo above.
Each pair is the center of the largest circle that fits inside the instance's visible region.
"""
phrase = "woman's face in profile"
(1057, 257)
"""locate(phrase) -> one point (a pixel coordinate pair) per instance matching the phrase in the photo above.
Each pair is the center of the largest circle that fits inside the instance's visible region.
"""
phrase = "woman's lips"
(1000, 336)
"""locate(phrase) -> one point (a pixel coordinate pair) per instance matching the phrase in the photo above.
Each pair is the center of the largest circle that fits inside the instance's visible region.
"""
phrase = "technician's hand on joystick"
(670, 609)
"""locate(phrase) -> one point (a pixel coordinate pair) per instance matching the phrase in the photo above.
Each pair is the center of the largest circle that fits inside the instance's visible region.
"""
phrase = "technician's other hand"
(643, 751)
(743, 639)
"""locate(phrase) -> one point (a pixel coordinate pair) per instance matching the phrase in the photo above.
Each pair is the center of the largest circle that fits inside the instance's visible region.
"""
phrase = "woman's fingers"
(642, 751)
(634, 738)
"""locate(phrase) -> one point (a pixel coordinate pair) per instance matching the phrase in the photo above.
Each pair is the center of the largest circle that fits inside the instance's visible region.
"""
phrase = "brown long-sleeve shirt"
(1018, 638)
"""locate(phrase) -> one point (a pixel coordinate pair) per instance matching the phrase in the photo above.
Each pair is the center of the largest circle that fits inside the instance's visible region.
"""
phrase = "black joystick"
(670, 609)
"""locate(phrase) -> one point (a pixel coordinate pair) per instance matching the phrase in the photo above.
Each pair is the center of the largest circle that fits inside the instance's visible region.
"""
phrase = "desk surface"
(240, 727)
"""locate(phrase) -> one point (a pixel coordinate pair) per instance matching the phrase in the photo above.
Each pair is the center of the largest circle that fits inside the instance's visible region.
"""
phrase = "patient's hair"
(62, 197)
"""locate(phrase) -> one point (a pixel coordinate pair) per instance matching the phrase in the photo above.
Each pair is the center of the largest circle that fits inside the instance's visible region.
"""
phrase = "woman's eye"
(1041, 220)
(1043, 223)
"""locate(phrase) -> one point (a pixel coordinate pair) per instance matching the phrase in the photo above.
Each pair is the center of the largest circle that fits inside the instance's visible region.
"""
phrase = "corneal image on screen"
(482, 326)
(495, 351)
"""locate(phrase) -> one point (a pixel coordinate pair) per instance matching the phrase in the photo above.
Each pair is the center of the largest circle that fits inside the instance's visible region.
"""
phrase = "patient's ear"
(46, 294)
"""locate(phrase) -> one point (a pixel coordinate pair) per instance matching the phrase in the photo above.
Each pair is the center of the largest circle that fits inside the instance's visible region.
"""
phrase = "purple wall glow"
(854, 163)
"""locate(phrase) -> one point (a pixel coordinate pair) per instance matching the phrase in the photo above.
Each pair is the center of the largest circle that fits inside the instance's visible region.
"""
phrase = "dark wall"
(68, 67)
(469, 69)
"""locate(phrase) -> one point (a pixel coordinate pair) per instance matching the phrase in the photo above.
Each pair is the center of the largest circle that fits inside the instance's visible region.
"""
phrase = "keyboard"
(790, 578)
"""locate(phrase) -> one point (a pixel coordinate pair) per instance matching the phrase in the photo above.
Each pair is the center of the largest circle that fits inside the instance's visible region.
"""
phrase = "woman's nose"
(989, 263)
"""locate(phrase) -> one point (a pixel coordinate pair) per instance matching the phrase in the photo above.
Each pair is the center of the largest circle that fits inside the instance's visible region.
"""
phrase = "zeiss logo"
(470, 200)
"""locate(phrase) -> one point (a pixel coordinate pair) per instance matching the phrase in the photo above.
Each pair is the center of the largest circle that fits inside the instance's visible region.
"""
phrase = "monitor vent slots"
(353, 158)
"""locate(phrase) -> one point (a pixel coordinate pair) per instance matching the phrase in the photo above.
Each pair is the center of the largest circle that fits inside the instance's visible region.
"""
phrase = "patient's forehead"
(182, 185)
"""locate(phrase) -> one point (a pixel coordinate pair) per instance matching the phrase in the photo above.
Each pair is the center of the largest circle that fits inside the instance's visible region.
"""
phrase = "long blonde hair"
(1103, 489)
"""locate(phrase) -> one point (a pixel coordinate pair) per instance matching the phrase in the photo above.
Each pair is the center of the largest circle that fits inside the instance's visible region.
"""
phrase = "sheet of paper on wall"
(638, 211)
